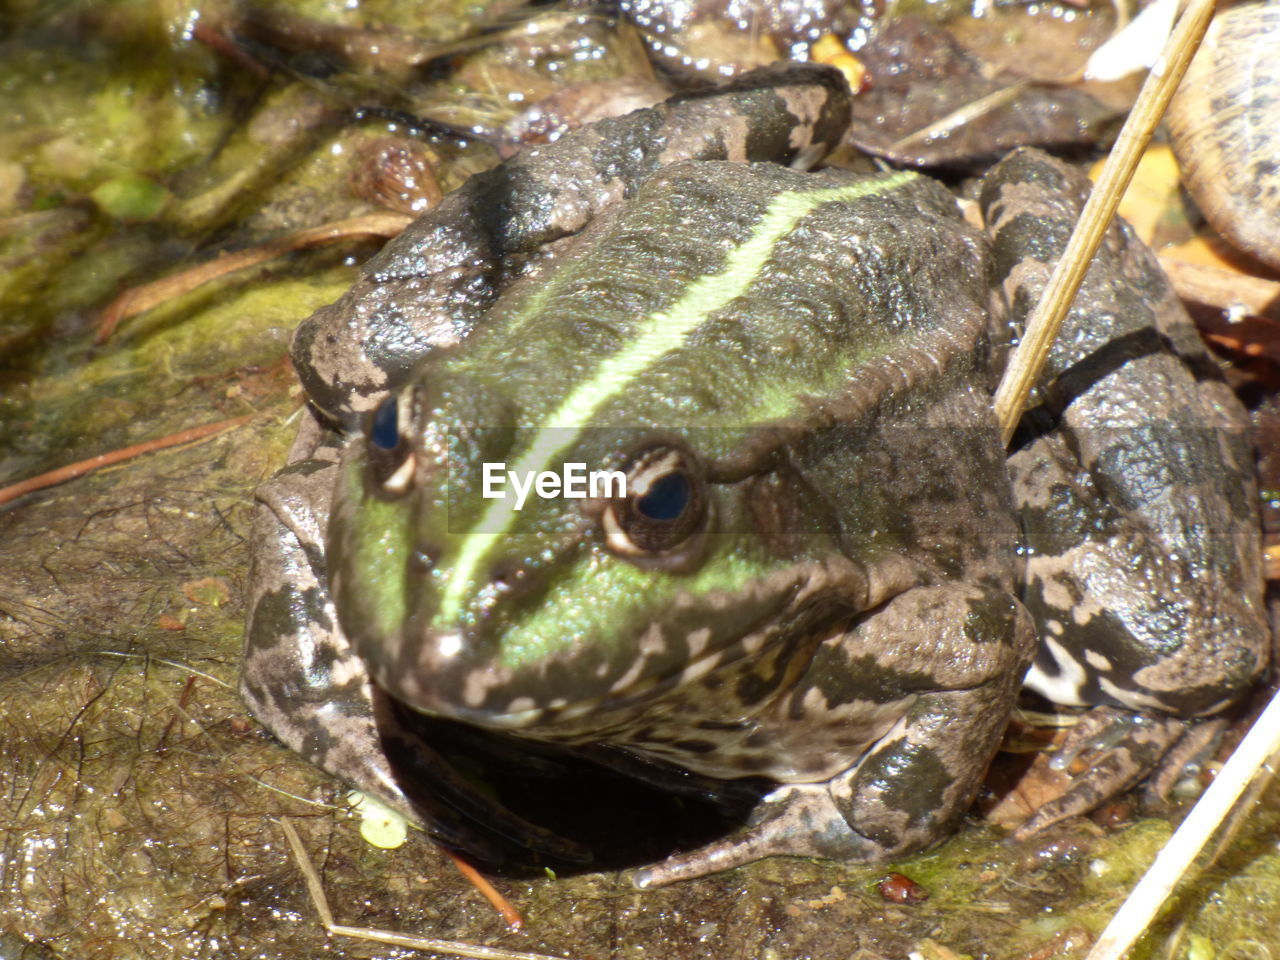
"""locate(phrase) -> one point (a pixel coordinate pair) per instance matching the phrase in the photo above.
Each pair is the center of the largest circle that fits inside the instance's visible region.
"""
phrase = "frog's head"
(509, 611)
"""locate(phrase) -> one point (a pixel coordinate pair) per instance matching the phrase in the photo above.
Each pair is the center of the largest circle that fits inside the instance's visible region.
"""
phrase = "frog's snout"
(448, 674)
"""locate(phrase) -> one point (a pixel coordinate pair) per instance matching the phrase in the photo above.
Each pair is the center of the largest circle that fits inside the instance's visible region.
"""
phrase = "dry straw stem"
(1027, 362)
(1133, 917)
(80, 468)
(451, 948)
(142, 298)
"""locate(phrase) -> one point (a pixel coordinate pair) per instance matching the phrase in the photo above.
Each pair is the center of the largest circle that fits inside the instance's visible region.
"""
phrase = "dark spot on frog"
(1073, 516)
(279, 610)
(759, 740)
(1161, 457)
(397, 344)
(1040, 240)
(864, 678)
(1223, 104)
(624, 151)
(755, 688)
(987, 617)
(915, 796)
(303, 468)
(732, 725)
(314, 554)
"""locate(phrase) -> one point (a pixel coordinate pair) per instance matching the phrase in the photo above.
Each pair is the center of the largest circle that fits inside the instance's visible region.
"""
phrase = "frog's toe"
(799, 820)
(1185, 758)
(1118, 748)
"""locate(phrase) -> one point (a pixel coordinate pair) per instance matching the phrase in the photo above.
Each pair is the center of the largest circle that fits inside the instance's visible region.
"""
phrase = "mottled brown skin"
(1135, 452)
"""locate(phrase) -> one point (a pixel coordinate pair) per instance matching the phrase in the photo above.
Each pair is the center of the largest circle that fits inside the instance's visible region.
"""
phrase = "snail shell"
(1225, 122)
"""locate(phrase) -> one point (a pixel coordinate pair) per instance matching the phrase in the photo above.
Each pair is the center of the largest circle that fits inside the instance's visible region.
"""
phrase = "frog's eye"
(665, 505)
(384, 429)
(388, 450)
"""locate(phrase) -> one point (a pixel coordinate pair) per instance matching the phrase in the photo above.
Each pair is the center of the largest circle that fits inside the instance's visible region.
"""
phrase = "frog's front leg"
(300, 677)
(945, 661)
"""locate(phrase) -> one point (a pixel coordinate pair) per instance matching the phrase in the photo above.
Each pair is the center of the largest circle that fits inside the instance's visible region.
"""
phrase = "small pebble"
(897, 888)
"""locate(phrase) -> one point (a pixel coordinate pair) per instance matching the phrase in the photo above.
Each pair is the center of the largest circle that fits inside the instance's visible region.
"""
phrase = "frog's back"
(731, 294)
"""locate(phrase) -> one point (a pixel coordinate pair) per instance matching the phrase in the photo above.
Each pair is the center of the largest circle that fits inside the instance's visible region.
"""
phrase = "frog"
(812, 562)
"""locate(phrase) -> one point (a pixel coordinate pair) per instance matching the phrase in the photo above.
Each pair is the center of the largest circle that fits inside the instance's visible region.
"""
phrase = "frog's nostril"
(513, 582)
(506, 576)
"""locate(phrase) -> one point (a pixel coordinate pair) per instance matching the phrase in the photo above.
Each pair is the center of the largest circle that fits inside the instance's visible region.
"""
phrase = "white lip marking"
(1131, 698)
(651, 644)
(698, 641)
(633, 673)
(700, 668)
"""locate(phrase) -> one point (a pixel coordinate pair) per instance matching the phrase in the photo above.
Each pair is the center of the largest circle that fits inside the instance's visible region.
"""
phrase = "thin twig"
(452, 948)
(488, 891)
(1028, 360)
(79, 469)
(139, 299)
(961, 117)
(1133, 917)
(164, 661)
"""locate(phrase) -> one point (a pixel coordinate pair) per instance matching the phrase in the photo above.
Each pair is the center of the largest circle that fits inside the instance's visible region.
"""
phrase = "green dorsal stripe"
(656, 335)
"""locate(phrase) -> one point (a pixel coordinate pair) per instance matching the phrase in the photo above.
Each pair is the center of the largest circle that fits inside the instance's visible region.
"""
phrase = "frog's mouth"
(636, 689)
(632, 690)
(758, 645)
(492, 793)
